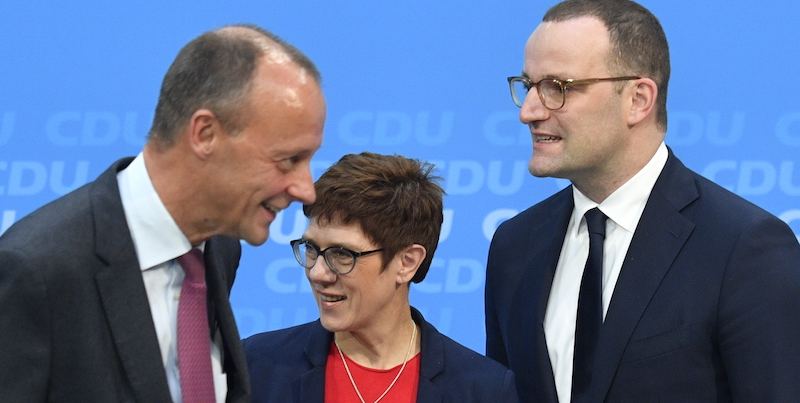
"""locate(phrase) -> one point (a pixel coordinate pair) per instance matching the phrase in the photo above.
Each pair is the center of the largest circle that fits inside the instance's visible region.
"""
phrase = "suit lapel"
(431, 362)
(543, 240)
(123, 294)
(546, 240)
(221, 262)
(556, 232)
(312, 383)
(661, 233)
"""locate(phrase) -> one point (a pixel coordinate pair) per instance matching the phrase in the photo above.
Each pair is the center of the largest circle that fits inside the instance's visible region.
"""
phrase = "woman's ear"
(411, 258)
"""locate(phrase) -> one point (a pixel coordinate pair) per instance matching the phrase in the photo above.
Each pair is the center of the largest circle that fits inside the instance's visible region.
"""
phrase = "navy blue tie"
(590, 306)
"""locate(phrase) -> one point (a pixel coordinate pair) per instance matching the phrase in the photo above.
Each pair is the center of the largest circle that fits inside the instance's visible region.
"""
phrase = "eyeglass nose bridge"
(298, 254)
(534, 87)
(319, 257)
(319, 254)
(530, 86)
(545, 100)
(552, 99)
(547, 96)
(328, 267)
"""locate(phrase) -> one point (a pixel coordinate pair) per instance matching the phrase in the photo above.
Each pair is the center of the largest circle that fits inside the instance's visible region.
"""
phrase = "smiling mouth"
(331, 298)
(546, 139)
(271, 208)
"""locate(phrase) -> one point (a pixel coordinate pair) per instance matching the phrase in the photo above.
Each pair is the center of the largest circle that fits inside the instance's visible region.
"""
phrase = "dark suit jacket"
(74, 315)
(289, 366)
(706, 307)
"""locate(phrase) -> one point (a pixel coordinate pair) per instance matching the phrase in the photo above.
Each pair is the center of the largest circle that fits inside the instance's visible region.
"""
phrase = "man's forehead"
(558, 47)
(576, 31)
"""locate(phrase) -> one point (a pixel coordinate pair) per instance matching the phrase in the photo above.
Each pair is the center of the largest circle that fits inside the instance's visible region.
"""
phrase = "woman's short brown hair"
(395, 200)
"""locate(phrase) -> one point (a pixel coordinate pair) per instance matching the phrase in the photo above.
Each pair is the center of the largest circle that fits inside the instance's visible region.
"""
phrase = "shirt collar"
(625, 205)
(156, 237)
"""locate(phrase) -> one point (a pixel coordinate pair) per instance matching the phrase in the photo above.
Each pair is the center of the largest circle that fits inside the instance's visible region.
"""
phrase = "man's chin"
(257, 240)
(538, 172)
(545, 169)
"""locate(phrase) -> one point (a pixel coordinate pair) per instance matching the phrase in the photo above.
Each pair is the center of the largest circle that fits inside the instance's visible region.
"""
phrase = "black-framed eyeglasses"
(339, 259)
(552, 91)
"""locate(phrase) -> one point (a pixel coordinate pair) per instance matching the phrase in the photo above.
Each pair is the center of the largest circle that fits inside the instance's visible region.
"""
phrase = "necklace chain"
(353, 382)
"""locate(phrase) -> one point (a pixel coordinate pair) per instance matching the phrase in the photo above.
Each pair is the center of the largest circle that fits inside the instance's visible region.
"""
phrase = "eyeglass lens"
(549, 91)
(337, 258)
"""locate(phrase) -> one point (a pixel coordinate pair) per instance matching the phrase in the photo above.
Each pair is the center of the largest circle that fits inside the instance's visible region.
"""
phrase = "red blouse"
(371, 382)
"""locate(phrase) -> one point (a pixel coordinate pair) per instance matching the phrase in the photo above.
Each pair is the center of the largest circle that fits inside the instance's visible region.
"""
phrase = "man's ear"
(643, 100)
(411, 258)
(204, 130)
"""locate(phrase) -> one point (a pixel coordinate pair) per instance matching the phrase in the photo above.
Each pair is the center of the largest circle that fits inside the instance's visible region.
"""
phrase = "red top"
(371, 382)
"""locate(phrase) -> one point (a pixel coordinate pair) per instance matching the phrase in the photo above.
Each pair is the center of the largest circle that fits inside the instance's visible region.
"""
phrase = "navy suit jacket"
(74, 314)
(706, 307)
(289, 366)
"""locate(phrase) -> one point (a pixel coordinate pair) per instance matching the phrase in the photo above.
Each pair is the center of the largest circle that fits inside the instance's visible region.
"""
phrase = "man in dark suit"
(696, 295)
(92, 285)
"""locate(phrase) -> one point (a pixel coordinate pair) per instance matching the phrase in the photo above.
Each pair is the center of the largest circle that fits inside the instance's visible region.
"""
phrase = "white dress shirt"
(159, 242)
(623, 208)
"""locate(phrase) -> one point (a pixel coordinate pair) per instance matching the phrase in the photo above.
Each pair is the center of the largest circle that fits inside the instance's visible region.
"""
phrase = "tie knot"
(596, 222)
(193, 266)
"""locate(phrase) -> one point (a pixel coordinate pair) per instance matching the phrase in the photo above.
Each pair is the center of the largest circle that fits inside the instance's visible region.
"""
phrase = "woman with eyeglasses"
(373, 230)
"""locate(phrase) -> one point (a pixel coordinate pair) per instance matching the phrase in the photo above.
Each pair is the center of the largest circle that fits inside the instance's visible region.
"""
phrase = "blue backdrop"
(79, 81)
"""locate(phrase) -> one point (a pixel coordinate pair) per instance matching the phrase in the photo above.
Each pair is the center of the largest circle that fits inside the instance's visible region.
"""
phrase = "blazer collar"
(312, 383)
(122, 291)
(431, 361)
(218, 258)
(661, 233)
(536, 283)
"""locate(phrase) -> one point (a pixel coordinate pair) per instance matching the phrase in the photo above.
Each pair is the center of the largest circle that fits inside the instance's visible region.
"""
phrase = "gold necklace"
(349, 375)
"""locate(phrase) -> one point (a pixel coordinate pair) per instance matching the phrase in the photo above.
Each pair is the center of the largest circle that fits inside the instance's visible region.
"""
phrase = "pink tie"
(194, 342)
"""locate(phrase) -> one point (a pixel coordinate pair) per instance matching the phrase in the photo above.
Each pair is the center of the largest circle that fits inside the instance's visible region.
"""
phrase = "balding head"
(215, 71)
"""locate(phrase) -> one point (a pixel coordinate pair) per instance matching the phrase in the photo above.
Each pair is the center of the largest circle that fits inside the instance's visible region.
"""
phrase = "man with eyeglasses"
(672, 288)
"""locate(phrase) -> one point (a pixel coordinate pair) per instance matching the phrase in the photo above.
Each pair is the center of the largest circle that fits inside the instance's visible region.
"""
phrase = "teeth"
(546, 139)
(331, 298)
(271, 208)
